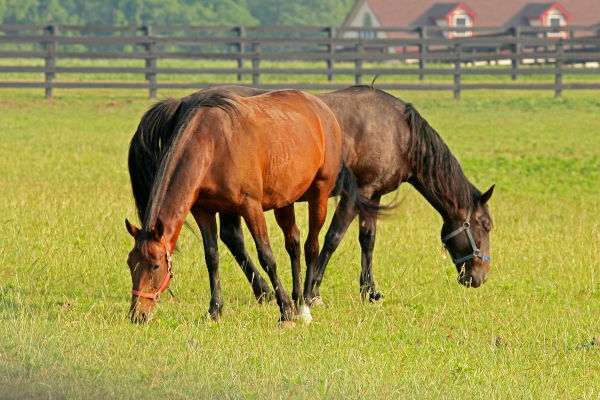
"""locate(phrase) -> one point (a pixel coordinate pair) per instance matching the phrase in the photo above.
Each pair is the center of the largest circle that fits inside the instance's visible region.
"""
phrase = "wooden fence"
(252, 54)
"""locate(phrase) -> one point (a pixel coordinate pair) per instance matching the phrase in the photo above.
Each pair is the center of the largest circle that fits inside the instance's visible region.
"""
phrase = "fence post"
(516, 61)
(50, 60)
(241, 50)
(150, 61)
(255, 63)
(331, 61)
(359, 63)
(558, 65)
(457, 49)
(422, 51)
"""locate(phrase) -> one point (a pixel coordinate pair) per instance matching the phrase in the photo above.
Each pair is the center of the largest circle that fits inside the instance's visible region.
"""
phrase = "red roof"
(489, 13)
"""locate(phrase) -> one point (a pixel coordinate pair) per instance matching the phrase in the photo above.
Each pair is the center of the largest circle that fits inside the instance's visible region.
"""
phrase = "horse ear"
(133, 231)
(159, 229)
(486, 196)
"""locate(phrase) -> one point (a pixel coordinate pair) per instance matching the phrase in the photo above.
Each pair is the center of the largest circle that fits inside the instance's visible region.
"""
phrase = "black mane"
(434, 167)
(155, 136)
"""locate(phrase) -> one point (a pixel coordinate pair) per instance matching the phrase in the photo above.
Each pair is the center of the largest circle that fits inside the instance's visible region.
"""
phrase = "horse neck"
(435, 172)
(173, 192)
(448, 206)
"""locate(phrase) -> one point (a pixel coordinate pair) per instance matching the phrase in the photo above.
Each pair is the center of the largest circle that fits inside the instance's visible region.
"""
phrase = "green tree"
(175, 12)
(301, 12)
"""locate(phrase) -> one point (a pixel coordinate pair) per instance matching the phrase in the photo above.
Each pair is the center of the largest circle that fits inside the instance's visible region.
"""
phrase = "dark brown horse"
(385, 142)
(233, 155)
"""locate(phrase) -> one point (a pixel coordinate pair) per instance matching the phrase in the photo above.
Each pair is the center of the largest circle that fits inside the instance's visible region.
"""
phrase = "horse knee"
(332, 241)
(292, 245)
(367, 239)
(212, 257)
(267, 260)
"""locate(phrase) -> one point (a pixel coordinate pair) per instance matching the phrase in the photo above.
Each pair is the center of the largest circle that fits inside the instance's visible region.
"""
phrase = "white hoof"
(304, 314)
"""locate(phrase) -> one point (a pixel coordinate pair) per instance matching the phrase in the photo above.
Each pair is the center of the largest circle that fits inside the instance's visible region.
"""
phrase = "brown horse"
(238, 156)
(385, 142)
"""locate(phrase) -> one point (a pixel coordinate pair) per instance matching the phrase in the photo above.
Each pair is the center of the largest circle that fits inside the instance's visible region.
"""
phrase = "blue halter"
(466, 226)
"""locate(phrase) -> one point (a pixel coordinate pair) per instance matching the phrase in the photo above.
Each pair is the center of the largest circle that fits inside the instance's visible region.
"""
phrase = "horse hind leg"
(286, 219)
(208, 227)
(255, 220)
(317, 196)
(233, 237)
(344, 214)
(366, 237)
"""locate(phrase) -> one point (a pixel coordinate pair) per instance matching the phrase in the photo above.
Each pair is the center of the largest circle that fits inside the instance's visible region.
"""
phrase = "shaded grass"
(64, 283)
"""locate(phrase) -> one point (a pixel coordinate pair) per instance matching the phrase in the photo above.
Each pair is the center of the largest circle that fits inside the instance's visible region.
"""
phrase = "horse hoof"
(376, 297)
(304, 314)
(212, 317)
(317, 302)
(286, 324)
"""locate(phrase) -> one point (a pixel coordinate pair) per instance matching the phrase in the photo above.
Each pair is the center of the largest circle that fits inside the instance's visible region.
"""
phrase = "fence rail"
(331, 51)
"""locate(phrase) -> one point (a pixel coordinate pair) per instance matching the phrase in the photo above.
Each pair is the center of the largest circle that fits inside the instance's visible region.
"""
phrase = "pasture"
(532, 331)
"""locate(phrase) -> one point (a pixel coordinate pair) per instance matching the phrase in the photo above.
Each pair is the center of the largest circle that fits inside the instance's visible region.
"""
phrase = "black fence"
(253, 53)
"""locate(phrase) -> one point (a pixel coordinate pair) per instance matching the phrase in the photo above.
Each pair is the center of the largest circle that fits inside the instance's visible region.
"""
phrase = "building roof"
(440, 10)
(536, 10)
(489, 13)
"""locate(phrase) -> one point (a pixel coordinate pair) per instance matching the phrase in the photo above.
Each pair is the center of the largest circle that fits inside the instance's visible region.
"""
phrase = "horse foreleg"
(255, 220)
(233, 237)
(286, 219)
(366, 237)
(317, 211)
(344, 214)
(208, 227)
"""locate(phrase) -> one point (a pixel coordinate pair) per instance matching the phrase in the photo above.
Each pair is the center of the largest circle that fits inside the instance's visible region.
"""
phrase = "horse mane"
(153, 134)
(154, 140)
(433, 165)
(174, 148)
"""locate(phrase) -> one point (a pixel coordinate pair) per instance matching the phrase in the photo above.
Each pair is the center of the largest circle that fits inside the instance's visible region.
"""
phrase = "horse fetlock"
(316, 301)
(304, 314)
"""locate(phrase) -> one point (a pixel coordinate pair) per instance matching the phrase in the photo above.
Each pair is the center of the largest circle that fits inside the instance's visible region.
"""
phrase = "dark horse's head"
(150, 266)
(466, 237)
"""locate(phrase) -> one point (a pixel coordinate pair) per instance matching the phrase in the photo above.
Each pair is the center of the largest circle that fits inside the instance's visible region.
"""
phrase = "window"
(461, 21)
(556, 21)
(367, 22)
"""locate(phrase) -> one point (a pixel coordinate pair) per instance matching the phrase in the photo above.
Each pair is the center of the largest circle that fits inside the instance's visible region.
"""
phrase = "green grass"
(64, 283)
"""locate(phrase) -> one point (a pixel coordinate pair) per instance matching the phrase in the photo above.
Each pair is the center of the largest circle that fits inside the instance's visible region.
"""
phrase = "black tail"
(347, 188)
(155, 131)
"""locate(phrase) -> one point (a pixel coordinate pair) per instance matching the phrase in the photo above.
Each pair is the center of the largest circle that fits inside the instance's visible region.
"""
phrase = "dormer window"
(556, 21)
(461, 21)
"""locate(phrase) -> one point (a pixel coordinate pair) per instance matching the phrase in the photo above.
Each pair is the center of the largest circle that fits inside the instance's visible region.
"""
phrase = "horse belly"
(289, 172)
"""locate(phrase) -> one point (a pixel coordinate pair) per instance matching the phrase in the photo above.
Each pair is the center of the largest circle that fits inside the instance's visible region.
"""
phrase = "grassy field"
(527, 333)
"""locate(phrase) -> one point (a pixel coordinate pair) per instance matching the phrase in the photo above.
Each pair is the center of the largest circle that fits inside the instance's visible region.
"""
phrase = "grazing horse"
(385, 142)
(235, 155)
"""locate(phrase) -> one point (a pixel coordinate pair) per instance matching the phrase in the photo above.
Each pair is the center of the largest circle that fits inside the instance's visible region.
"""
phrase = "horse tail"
(152, 137)
(347, 188)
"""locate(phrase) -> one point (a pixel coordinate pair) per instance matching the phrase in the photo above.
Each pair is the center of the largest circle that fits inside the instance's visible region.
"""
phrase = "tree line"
(175, 12)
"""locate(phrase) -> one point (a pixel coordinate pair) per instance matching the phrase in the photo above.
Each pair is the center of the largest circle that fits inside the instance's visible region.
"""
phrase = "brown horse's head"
(467, 240)
(150, 265)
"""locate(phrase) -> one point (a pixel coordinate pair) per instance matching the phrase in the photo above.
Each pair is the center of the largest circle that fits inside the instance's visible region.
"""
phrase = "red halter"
(165, 283)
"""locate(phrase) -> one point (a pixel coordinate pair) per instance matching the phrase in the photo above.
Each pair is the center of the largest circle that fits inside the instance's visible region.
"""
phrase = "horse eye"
(155, 267)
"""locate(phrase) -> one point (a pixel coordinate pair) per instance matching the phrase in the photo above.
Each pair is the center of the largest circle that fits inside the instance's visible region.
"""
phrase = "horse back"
(268, 147)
